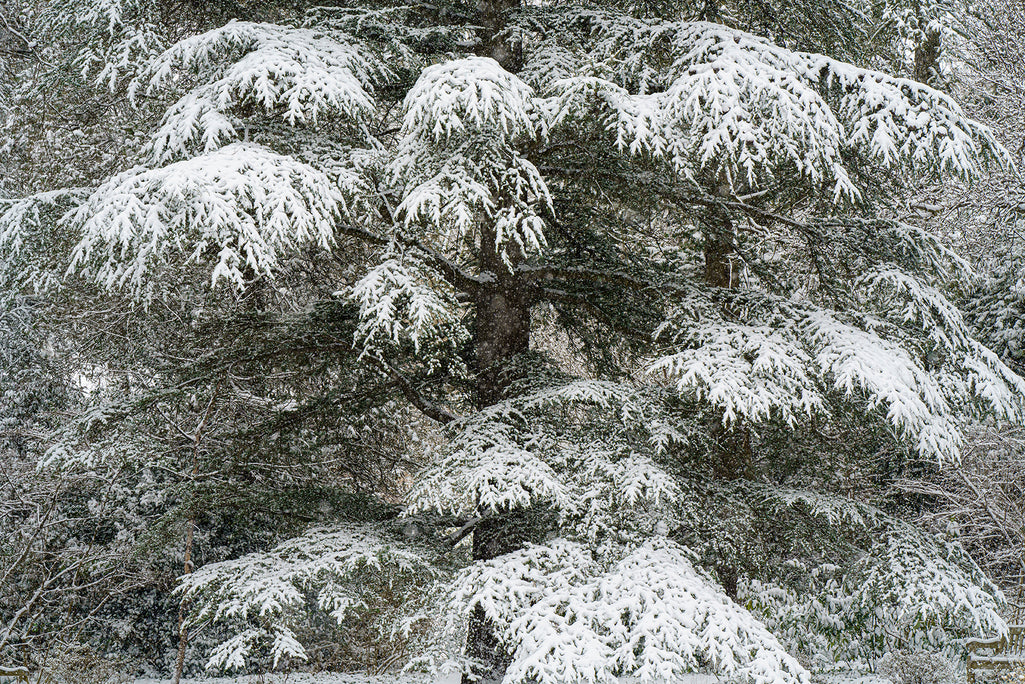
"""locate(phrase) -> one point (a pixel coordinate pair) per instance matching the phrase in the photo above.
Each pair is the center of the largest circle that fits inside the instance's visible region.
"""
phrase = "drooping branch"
(533, 273)
(427, 407)
(453, 274)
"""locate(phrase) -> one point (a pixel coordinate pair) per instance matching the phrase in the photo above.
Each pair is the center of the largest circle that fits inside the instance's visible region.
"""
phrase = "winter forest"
(519, 341)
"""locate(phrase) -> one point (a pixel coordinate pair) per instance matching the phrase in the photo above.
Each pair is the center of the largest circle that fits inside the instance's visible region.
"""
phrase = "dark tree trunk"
(501, 332)
(492, 18)
(722, 268)
(731, 456)
(502, 329)
(927, 58)
(491, 538)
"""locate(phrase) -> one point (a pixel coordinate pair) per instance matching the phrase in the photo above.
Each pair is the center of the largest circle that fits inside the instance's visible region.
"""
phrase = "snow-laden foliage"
(926, 591)
(571, 615)
(394, 31)
(776, 358)
(299, 75)
(241, 207)
(119, 35)
(458, 160)
(997, 313)
(527, 451)
(454, 214)
(352, 574)
(395, 306)
(460, 98)
(907, 590)
(29, 228)
(742, 111)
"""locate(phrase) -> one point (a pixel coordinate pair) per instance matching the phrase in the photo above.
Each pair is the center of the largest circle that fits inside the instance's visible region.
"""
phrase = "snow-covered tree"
(358, 214)
(980, 497)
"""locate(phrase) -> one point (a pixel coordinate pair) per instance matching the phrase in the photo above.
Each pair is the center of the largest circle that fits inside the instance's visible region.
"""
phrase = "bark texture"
(927, 58)
(731, 457)
(501, 333)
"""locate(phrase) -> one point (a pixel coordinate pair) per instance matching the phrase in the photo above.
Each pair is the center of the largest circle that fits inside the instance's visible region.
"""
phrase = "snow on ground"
(356, 678)
(306, 678)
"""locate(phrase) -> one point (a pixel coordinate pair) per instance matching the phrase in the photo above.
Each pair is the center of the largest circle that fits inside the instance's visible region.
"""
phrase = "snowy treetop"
(470, 95)
(457, 158)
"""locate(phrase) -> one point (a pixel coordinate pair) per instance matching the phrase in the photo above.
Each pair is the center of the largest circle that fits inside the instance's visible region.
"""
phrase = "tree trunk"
(190, 534)
(183, 632)
(722, 268)
(731, 456)
(493, 44)
(502, 328)
(501, 332)
(927, 58)
(490, 539)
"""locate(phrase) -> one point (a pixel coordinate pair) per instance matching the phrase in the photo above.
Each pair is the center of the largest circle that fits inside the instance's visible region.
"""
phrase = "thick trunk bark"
(721, 265)
(731, 456)
(502, 321)
(927, 58)
(491, 538)
(501, 332)
(493, 43)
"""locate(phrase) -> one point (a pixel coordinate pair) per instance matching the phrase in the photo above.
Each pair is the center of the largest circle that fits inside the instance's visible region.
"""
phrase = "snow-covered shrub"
(917, 667)
(859, 583)
(80, 664)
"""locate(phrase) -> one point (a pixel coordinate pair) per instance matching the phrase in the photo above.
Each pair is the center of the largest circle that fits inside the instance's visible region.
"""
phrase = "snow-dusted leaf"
(341, 568)
(397, 301)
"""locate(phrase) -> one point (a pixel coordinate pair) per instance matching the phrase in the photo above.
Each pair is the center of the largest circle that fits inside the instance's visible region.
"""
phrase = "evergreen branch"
(532, 273)
(456, 277)
(428, 408)
(453, 539)
(588, 304)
